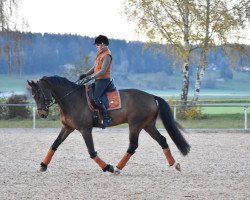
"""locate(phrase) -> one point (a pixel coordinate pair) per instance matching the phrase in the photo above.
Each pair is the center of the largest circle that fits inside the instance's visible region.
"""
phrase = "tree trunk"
(204, 58)
(199, 76)
(185, 68)
(185, 85)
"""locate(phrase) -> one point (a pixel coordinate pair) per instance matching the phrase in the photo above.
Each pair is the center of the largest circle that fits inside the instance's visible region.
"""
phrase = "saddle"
(111, 99)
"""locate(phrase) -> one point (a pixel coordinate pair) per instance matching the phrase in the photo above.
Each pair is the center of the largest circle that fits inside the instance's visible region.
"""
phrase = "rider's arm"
(105, 65)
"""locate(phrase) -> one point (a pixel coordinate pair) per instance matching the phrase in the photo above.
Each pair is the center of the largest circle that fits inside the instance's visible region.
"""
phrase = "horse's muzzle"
(42, 113)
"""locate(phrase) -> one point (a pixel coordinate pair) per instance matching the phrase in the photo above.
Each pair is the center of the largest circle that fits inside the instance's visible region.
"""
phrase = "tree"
(9, 30)
(218, 21)
(170, 22)
(188, 25)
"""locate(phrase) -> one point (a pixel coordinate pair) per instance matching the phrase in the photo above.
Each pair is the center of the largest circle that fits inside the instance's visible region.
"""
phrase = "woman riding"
(101, 72)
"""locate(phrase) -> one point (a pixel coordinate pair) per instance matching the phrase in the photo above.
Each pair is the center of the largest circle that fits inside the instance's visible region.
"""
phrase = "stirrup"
(106, 122)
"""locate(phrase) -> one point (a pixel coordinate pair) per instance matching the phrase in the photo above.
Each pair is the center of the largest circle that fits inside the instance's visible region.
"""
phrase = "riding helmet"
(102, 39)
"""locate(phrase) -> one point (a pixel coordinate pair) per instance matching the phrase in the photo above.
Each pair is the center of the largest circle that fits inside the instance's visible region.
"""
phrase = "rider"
(101, 73)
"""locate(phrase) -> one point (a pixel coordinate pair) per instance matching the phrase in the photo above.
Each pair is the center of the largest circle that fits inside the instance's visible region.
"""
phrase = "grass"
(217, 121)
(223, 110)
(214, 118)
(28, 123)
(234, 91)
(212, 121)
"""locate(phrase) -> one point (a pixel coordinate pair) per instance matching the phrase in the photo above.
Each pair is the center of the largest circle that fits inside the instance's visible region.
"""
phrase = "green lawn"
(231, 91)
(28, 123)
(217, 121)
(214, 121)
(224, 110)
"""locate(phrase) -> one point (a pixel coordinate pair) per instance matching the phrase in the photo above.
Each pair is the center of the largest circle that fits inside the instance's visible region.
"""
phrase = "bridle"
(47, 102)
(51, 102)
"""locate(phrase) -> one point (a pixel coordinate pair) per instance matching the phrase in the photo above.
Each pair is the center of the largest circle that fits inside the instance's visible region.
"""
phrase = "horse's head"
(42, 96)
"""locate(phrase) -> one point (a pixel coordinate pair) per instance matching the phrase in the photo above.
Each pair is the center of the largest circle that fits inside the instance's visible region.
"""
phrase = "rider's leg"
(106, 119)
(100, 87)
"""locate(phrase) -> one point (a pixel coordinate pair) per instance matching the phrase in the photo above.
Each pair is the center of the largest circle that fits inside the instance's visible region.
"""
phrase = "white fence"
(243, 106)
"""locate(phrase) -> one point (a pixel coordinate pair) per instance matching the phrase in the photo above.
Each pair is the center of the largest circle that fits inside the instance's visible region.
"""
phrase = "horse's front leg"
(88, 138)
(64, 133)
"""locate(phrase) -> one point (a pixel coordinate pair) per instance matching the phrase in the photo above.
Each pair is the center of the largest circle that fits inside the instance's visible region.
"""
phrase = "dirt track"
(218, 167)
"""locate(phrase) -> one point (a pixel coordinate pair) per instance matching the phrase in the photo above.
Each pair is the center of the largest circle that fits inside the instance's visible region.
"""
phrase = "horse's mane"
(58, 80)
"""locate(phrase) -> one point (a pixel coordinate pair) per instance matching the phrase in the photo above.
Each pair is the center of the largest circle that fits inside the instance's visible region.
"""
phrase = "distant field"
(11, 84)
(216, 117)
(237, 88)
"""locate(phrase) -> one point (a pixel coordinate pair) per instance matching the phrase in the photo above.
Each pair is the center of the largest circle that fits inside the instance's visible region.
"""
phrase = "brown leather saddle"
(111, 99)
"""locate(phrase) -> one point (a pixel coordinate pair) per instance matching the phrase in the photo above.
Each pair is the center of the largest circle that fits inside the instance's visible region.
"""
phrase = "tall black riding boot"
(106, 119)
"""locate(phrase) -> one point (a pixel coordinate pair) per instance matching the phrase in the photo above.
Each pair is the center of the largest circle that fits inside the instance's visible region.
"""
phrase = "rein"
(51, 102)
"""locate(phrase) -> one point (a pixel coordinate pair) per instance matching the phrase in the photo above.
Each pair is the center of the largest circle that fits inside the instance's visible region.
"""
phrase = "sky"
(83, 17)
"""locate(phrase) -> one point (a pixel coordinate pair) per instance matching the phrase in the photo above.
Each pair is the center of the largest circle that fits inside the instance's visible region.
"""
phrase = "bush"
(17, 111)
(190, 113)
(54, 113)
(3, 109)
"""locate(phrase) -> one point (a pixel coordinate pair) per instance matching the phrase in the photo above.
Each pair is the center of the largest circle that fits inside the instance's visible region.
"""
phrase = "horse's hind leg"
(134, 132)
(65, 131)
(156, 135)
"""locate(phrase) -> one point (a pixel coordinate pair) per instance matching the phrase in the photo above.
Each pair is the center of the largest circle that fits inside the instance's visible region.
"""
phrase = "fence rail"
(243, 106)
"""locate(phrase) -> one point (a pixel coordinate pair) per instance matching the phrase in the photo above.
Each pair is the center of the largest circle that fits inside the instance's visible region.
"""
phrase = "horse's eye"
(36, 96)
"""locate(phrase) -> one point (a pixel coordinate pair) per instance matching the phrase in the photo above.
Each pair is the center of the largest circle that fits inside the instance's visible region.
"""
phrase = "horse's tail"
(172, 127)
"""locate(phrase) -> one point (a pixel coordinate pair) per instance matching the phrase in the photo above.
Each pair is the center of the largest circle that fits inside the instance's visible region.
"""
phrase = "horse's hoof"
(43, 169)
(177, 166)
(108, 168)
(111, 169)
(117, 171)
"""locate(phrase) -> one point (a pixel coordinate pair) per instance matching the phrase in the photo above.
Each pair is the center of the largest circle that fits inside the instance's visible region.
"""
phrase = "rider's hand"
(90, 77)
(82, 76)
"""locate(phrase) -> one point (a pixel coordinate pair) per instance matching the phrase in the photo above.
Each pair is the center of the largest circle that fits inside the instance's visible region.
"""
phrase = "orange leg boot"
(170, 159)
(47, 160)
(122, 163)
(105, 167)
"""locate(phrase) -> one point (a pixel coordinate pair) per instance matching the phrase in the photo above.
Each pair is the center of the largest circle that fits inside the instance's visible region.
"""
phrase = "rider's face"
(99, 46)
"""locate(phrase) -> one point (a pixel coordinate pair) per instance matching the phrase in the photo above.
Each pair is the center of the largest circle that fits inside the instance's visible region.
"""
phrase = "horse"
(139, 110)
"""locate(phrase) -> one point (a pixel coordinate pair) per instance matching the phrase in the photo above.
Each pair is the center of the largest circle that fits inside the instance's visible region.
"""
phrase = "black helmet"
(102, 39)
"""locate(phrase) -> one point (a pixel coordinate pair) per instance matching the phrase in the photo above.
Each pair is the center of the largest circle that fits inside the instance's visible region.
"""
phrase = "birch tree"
(187, 25)
(219, 23)
(169, 22)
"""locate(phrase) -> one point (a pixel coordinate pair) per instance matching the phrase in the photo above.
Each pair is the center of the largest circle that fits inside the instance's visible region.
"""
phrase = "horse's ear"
(31, 83)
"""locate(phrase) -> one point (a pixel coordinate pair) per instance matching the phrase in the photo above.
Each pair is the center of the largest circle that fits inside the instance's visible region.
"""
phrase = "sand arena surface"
(218, 167)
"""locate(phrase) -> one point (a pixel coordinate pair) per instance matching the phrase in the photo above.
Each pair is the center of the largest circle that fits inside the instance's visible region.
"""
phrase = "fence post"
(174, 112)
(245, 110)
(34, 117)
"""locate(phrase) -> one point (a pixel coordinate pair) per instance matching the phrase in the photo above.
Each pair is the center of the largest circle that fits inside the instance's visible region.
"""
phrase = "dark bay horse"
(139, 110)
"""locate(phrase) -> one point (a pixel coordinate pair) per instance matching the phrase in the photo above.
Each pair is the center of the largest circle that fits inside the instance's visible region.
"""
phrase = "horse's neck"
(68, 98)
